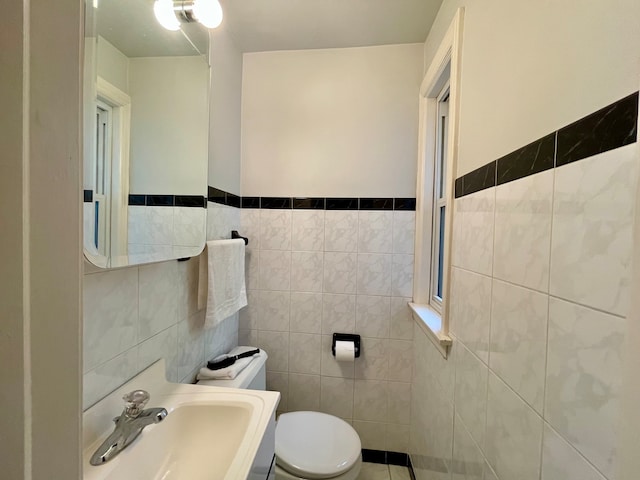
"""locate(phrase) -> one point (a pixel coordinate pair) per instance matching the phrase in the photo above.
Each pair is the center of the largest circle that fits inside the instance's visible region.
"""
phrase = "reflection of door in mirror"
(102, 193)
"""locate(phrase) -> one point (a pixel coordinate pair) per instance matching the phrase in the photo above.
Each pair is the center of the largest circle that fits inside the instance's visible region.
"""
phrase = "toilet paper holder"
(346, 337)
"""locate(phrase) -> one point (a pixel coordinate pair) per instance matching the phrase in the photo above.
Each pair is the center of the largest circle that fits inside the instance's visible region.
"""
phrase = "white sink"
(210, 433)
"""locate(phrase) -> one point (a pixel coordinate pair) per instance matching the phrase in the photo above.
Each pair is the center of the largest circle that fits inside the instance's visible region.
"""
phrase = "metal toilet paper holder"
(346, 337)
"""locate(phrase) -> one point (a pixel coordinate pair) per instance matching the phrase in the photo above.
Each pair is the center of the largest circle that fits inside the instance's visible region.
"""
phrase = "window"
(438, 139)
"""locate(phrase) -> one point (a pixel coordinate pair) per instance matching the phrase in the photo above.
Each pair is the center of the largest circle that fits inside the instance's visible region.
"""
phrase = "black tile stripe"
(233, 200)
(250, 202)
(88, 196)
(611, 127)
(160, 200)
(309, 203)
(376, 204)
(139, 200)
(342, 204)
(275, 202)
(216, 195)
(528, 160)
(190, 201)
(385, 457)
(406, 204)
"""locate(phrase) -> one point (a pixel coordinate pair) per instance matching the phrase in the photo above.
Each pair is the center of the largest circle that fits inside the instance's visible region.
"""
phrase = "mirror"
(146, 129)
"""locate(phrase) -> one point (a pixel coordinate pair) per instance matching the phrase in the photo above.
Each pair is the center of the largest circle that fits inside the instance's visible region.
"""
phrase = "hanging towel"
(232, 371)
(226, 290)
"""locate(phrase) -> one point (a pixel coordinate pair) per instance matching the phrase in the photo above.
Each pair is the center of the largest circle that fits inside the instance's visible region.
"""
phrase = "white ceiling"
(263, 25)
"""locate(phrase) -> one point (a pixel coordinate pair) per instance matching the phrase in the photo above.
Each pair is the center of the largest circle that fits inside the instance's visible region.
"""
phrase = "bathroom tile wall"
(313, 272)
(539, 294)
(137, 315)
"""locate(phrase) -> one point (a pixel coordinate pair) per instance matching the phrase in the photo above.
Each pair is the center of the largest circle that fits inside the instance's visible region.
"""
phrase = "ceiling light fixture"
(170, 13)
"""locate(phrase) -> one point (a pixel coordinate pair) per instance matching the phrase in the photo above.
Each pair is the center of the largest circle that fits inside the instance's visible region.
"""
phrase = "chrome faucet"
(129, 424)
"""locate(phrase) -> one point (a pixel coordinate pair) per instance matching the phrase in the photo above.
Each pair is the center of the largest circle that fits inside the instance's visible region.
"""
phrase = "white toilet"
(309, 445)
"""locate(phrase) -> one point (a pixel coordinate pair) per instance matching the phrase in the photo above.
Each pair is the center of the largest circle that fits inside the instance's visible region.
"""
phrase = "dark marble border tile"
(611, 127)
(275, 202)
(250, 202)
(376, 204)
(459, 187)
(479, 179)
(137, 200)
(196, 201)
(233, 200)
(404, 204)
(216, 195)
(88, 196)
(398, 458)
(341, 204)
(534, 158)
(160, 200)
(309, 203)
(374, 456)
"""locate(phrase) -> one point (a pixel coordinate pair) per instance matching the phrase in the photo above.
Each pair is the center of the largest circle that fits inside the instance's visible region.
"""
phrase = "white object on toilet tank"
(253, 377)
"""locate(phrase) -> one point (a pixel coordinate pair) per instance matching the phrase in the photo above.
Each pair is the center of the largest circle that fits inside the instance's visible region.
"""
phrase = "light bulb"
(163, 10)
(208, 12)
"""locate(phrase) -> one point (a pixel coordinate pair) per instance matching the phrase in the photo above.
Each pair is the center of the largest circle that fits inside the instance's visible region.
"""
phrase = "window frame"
(443, 70)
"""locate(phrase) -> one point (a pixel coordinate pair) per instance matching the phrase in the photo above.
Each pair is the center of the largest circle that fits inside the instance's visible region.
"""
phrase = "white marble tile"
(338, 313)
(468, 462)
(397, 437)
(308, 230)
(249, 315)
(591, 244)
(402, 275)
(489, 474)
(397, 472)
(471, 382)
(470, 311)
(250, 226)
(401, 326)
(110, 315)
(560, 461)
(304, 392)
(306, 312)
(248, 338)
(584, 379)
(523, 231)
(373, 316)
(374, 274)
(514, 434)
(399, 403)
(187, 288)
(189, 226)
(276, 344)
(104, 379)
(304, 353)
(307, 271)
(372, 436)
(279, 382)
(252, 267)
(373, 362)
(375, 231)
(275, 270)
(190, 350)
(163, 345)
(519, 340)
(330, 366)
(400, 360)
(275, 229)
(158, 298)
(341, 231)
(404, 232)
(340, 272)
(473, 226)
(370, 400)
(336, 396)
(221, 338)
(274, 310)
(159, 227)
(136, 224)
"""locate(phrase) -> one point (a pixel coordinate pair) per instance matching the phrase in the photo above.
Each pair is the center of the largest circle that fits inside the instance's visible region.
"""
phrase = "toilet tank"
(253, 377)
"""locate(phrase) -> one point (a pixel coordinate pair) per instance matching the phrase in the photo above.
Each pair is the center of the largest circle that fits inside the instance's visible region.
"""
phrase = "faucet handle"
(134, 402)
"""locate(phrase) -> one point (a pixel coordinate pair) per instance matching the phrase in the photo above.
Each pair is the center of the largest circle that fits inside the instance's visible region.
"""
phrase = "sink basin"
(210, 433)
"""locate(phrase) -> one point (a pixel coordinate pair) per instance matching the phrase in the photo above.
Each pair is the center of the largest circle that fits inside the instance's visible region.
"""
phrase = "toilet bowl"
(309, 445)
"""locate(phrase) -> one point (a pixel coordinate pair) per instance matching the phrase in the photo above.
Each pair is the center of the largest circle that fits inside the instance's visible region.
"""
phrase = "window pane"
(441, 253)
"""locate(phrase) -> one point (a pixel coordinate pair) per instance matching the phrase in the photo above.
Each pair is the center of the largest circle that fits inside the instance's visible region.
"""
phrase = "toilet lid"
(315, 445)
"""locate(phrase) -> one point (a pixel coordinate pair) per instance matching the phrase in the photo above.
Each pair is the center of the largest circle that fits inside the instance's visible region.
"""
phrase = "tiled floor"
(376, 471)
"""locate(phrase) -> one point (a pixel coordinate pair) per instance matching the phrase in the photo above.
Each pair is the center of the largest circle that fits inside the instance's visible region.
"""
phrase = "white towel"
(226, 290)
(232, 371)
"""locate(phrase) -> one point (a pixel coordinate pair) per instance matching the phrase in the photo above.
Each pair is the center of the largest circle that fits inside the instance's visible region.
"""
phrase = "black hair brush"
(225, 361)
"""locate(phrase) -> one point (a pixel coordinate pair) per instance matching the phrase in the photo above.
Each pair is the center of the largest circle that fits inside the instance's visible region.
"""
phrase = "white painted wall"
(168, 111)
(113, 65)
(335, 122)
(225, 104)
(532, 67)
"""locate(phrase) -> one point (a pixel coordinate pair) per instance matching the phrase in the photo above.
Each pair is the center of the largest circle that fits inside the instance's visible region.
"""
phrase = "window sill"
(430, 322)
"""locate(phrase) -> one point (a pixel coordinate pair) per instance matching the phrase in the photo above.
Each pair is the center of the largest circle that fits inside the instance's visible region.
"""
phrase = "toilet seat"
(315, 445)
